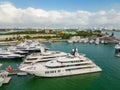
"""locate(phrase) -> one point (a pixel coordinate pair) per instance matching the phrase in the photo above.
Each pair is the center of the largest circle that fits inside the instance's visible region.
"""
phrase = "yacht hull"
(66, 73)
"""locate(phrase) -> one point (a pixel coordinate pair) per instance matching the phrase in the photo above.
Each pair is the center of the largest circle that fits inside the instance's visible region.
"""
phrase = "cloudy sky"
(59, 13)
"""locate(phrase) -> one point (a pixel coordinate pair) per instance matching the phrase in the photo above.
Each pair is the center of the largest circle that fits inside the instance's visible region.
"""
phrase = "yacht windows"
(58, 70)
(47, 57)
(51, 71)
(47, 72)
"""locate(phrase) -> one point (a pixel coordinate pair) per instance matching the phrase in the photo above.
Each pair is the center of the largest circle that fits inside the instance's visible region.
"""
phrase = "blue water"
(102, 55)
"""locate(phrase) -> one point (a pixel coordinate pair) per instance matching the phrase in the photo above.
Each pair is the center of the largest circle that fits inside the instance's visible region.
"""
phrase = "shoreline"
(40, 40)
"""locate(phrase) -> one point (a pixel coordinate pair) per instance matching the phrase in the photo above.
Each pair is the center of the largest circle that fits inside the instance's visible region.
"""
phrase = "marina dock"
(17, 72)
(6, 80)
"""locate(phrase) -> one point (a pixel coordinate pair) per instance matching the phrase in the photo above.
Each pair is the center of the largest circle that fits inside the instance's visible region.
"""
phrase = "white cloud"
(10, 16)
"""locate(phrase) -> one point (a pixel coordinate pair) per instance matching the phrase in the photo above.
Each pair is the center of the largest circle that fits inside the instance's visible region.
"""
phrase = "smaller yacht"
(15, 51)
(4, 77)
(4, 54)
(1, 81)
(91, 41)
(117, 49)
(97, 41)
(30, 46)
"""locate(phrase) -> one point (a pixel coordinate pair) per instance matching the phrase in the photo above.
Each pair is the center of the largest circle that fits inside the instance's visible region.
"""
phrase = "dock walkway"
(17, 72)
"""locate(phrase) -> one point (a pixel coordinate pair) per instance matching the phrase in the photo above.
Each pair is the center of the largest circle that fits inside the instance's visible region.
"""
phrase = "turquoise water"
(102, 55)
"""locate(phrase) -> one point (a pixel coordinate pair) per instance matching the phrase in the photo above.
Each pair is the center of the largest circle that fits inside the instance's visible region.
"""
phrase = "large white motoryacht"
(117, 49)
(71, 64)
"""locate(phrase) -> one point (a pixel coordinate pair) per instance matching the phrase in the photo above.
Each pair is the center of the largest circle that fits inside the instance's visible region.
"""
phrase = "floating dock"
(17, 72)
(6, 80)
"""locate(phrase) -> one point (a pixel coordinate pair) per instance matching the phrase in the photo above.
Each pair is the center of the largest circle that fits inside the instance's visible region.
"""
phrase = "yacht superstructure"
(41, 57)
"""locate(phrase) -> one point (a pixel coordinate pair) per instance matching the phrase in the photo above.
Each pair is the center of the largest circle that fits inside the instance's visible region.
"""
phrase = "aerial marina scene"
(59, 45)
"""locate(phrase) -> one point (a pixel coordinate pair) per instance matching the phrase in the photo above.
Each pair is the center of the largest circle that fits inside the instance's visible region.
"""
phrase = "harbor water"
(102, 54)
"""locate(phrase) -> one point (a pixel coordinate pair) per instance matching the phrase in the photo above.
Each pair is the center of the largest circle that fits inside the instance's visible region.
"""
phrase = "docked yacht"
(63, 66)
(4, 77)
(117, 49)
(30, 46)
(15, 51)
(4, 54)
(1, 81)
(97, 41)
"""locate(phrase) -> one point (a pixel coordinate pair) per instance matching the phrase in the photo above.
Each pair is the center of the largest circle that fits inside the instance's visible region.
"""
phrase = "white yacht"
(63, 66)
(74, 39)
(1, 81)
(97, 41)
(30, 46)
(4, 54)
(117, 49)
(44, 56)
(4, 77)
(15, 51)
(91, 41)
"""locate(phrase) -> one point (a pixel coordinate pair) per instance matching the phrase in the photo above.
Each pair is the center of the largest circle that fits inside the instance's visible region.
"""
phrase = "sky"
(59, 13)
